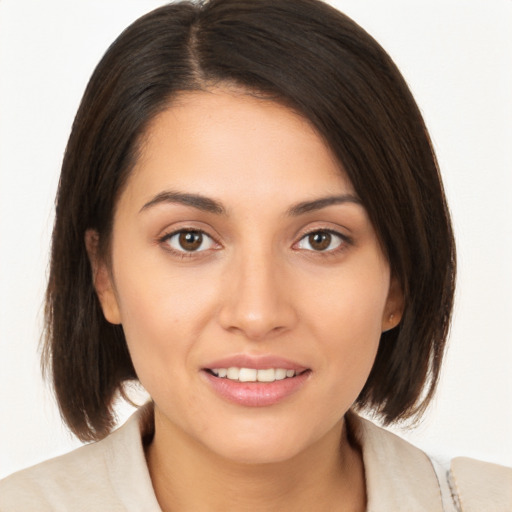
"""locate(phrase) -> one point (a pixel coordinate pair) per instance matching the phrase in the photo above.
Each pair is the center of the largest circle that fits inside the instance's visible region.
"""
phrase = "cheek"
(346, 316)
(351, 302)
(163, 310)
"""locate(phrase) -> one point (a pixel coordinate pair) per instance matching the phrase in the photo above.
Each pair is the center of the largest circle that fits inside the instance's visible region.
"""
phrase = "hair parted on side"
(312, 58)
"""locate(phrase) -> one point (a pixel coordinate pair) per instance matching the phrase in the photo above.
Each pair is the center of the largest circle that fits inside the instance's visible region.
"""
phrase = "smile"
(251, 387)
(253, 374)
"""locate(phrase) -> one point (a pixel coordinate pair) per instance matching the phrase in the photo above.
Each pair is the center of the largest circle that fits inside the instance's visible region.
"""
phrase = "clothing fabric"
(112, 475)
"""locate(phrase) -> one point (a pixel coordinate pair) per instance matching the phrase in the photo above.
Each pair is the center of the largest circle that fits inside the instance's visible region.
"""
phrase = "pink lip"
(260, 362)
(256, 394)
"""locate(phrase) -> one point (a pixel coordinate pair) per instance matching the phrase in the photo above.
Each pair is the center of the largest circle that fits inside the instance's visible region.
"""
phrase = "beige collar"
(399, 476)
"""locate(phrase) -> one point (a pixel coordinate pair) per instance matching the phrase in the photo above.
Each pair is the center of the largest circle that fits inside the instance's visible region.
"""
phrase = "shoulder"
(481, 485)
(98, 476)
(400, 476)
(58, 483)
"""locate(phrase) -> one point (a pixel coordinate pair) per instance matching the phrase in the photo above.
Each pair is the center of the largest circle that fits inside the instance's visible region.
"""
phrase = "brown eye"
(322, 241)
(189, 241)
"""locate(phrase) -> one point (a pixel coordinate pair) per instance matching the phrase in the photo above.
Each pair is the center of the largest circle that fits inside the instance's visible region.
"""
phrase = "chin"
(262, 443)
(257, 453)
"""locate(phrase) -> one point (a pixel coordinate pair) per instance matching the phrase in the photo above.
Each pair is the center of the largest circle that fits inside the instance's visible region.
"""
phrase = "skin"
(257, 285)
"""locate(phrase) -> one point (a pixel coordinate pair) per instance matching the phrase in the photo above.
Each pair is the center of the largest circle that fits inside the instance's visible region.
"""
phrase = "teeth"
(280, 374)
(248, 375)
(267, 375)
(233, 373)
(253, 375)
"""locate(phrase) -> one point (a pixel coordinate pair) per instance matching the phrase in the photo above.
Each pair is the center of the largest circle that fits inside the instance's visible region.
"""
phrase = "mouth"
(253, 374)
(256, 387)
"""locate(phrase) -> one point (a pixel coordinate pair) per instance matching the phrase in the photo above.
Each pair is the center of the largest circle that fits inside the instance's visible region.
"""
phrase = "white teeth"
(267, 375)
(280, 374)
(248, 375)
(233, 373)
(253, 375)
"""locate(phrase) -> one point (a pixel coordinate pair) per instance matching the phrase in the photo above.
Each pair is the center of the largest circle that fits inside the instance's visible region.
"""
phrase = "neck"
(328, 476)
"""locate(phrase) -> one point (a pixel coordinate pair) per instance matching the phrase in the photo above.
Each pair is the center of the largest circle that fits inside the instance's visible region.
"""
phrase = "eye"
(321, 241)
(189, 241)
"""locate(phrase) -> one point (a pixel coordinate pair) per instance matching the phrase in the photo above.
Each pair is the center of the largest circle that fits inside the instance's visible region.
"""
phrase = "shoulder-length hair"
(312, 58)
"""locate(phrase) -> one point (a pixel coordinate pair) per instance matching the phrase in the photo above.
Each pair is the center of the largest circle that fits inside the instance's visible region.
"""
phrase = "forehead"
(232, 143)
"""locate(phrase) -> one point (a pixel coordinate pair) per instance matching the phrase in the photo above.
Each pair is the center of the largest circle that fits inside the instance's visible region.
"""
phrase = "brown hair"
(312, 58)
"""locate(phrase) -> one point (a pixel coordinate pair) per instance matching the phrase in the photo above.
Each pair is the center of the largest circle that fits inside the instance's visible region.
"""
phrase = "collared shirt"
(112, 475)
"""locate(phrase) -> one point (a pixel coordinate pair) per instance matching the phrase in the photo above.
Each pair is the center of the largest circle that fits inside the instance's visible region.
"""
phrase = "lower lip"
(256, 394)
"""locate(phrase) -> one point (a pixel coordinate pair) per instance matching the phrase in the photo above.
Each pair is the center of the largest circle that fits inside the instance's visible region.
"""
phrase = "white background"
(456, 56)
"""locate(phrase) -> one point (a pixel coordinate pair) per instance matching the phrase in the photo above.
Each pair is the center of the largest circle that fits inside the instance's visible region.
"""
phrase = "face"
(247, 276)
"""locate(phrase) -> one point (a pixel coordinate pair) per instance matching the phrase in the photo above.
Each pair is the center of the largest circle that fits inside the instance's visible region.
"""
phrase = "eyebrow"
(323, 202)
(209, 205)
(195, 200)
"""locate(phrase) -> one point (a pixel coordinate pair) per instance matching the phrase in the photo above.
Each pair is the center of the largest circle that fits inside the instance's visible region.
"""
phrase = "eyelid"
(182, 253)
(345, 240)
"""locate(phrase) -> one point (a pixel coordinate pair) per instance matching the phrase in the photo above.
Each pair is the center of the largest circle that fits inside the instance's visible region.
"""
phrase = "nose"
(257, 302)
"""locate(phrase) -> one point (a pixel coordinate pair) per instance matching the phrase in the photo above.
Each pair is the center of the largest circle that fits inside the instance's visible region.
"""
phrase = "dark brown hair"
(312, 58)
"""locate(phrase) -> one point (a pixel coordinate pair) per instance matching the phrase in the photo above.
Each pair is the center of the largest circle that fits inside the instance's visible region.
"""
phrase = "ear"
(394, 308)
(102, 279)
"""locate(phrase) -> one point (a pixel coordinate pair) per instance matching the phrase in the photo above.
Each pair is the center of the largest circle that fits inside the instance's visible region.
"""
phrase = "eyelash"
(345, 241)
(165, 240)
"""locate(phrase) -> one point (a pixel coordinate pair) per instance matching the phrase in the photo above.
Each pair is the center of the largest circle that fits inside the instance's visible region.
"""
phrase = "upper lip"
(258, 362)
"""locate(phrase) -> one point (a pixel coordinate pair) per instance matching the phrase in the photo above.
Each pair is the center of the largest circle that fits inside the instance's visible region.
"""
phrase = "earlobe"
(102, 279)
(394, 306)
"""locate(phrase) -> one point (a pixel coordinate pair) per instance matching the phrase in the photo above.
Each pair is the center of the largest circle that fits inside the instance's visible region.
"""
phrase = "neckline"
(398, 476)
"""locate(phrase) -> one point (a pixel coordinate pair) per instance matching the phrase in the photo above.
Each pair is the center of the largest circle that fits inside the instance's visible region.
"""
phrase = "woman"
(250, 221)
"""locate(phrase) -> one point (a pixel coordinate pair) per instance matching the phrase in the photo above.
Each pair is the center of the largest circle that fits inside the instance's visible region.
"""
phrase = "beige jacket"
(112, 476)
